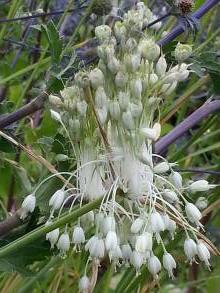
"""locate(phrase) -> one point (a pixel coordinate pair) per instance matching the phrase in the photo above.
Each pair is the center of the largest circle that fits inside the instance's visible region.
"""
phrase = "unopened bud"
(182, 52)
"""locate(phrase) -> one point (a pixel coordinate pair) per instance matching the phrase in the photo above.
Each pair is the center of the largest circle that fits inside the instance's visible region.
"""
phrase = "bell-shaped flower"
(126, 252)
(97, 248)
(84, 284)
(144, 242)
(176, 179)
(78, 236)
(157, 223)
(57, 199)
(137, 260)
(111, 240)
(190, 249)
(28, 206)
(201, 185)
(63, 243)
(203, 253)
(53, 236)
(137, 225)
(154, 265)
(193, 213)
(169, 264)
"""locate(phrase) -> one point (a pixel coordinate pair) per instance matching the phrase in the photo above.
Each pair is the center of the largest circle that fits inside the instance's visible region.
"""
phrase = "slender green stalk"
(37, 233)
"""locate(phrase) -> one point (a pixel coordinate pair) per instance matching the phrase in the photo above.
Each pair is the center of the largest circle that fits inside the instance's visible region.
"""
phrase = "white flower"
(154, 265)
(203, 253)
(111, 240)
(176, 179)
(100, 97)
(161, 66)
(193, 213)
(127, 120)
(201, 185)
(114, 110)
(78, 235)
(126, 252)
(149, 49)
(137, 260)
(162, 167)
(97, 248)
(55, 115)
(28, 206)
(108, 224)
(96, 77)
(144, 242)
(57, 199)
(90, 242)
(63, 243)
(115, 254)
(84, 284)
(137, 225)
(157, 223)
(170, 196)
(190, 249)
(53, 236)
(201, 203)
(103, 33)
(169, 264)
(149, 133)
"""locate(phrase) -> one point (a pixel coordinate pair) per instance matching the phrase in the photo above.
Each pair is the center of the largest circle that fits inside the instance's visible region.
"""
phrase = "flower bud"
(201, 185)
(137, 260)
(169, 264)
(108, 224)
(114, 110)
(157, 223)
(149, 133)
(193, 213)
(113, 65)
(128, 120)
(57, 199)
(84, 284)
(153, 79)
(53, 236)
(78, 235)
(74, 125)
(190, 249)
(63, 243)
(28, 206)
(100, 97)
(96, 77)
(132, 62)
(136, 109)
(82, 79)
(182, 52)
(111, 240)
(81, 107)
(131, 45)
(161, 66)
(144, 242)
(170, 196)
(149, 49)
(203, 253)
(176, 179)
(126, 252)
(97, 248)
(136, 87)
(55, 115)
(102, 114)
(137, 225)
(123, 99)
(56, 101)
(154, 265)
(201, 203)
(121, 80)
(103, 33)
(183, 75)
(120, 30)
(157, 128)
(162, 167)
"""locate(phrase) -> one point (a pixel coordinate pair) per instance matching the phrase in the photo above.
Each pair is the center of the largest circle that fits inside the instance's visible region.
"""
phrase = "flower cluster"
(110, 115)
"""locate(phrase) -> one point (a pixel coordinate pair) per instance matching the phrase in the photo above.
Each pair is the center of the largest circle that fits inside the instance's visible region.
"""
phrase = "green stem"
(41, 231)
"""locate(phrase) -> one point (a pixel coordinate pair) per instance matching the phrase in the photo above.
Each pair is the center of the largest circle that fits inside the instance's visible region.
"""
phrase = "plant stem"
(41, 231)
(201, 113)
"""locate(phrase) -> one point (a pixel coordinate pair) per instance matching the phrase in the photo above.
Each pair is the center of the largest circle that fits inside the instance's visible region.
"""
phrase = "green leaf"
(54, 40)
